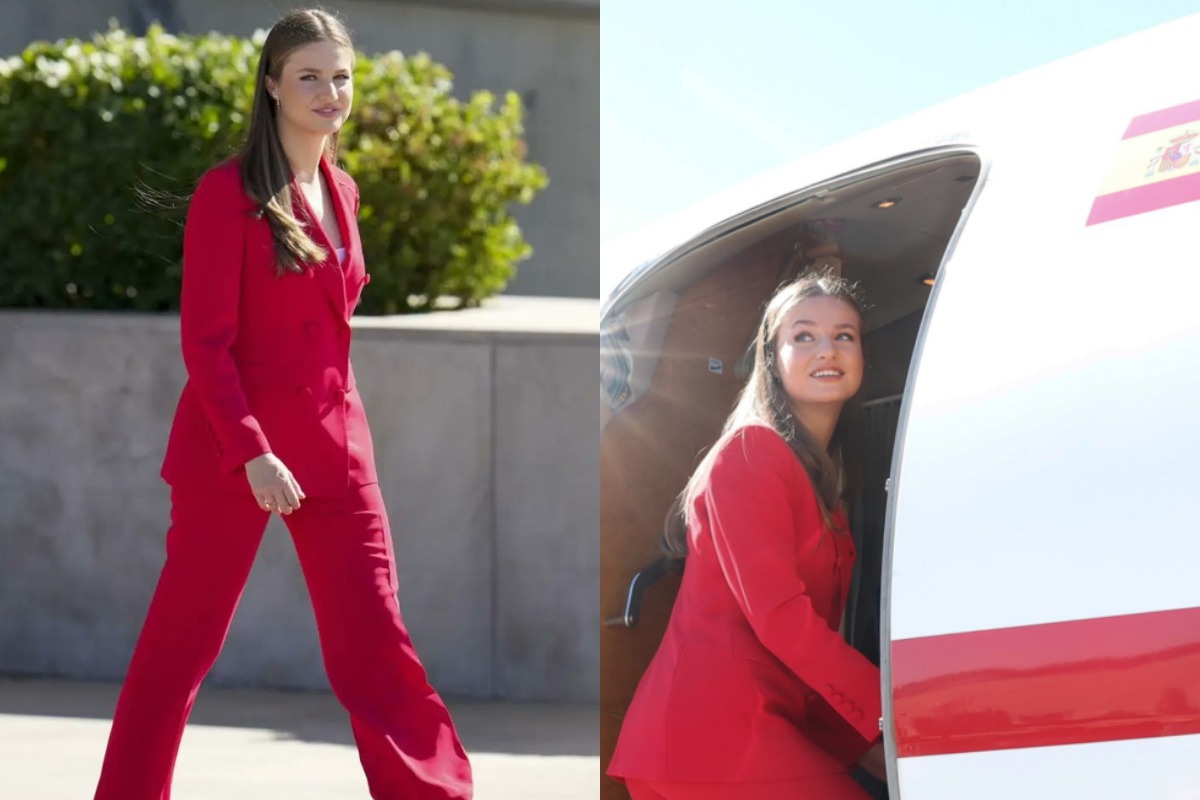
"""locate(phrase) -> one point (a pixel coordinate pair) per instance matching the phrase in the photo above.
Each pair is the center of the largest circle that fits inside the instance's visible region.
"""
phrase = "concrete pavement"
(263, 745)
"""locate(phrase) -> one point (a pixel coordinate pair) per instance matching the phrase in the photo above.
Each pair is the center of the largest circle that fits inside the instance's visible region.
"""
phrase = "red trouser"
(406, 740)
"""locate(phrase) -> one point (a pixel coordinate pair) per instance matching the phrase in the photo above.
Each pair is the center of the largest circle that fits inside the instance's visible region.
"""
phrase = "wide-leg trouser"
(406, 740)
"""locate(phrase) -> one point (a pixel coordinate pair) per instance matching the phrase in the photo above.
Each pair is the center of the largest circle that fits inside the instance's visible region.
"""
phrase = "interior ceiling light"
(886, 203)
(928, 278)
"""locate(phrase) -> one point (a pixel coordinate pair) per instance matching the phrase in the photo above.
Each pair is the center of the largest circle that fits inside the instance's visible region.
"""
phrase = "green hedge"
(102, 142)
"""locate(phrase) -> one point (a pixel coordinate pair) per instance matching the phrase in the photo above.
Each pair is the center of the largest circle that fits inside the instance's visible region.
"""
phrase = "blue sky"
(699, 95)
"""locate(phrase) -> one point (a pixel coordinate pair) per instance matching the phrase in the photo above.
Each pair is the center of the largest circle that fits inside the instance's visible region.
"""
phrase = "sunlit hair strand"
(266, 174)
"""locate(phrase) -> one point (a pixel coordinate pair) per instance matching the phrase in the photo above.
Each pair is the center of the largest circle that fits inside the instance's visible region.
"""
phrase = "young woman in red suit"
(753, 694)
(269, 422)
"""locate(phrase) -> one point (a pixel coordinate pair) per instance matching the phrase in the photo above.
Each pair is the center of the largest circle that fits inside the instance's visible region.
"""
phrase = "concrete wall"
(486, 442)
(552, 58)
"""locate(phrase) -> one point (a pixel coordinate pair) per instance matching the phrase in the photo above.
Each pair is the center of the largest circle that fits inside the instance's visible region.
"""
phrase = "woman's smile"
(819, 352)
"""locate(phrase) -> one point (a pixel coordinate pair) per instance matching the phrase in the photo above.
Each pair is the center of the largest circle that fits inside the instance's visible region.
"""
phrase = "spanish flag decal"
(1157, 165)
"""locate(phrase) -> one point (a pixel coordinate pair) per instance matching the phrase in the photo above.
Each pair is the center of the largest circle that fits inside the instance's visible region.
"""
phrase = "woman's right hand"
(273, 484)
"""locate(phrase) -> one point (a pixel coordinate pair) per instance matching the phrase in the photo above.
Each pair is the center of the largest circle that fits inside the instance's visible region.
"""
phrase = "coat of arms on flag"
(1157, 165)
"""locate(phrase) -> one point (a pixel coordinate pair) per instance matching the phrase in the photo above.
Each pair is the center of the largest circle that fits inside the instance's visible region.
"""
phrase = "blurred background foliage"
(102, 142)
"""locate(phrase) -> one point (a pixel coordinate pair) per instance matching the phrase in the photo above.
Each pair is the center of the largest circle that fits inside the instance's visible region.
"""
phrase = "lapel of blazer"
(354, 269)
(330, 274)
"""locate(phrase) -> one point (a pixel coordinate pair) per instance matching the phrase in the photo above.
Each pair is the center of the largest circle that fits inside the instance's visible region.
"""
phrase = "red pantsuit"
(753, 693)
(268, 371)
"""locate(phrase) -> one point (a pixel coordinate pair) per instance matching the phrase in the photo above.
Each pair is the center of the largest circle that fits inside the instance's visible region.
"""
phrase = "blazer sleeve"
(751, 498)
(213, 244)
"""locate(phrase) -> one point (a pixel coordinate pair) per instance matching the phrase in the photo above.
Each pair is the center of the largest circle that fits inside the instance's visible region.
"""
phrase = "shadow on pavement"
(513, 728)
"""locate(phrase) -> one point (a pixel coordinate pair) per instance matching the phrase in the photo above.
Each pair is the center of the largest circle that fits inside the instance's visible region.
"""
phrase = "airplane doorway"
(891, 343)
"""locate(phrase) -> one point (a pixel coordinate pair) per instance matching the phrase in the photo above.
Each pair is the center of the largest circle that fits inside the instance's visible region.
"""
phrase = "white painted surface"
(1166, 768)
(1053, 443)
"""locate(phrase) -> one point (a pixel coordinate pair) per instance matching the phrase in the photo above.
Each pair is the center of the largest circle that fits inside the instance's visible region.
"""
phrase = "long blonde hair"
(834, 471)
(266, 174)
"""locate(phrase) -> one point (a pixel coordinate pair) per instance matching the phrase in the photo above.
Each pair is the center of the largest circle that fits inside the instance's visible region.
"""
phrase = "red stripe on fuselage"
(1089, 680)
(1166, 118)
(1140, 199)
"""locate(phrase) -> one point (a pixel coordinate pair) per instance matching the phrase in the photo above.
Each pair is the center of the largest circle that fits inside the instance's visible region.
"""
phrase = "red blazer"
(752, 681)
(267, 357)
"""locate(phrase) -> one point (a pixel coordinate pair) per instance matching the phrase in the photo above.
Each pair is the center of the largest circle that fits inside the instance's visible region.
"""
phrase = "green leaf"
(102, 141)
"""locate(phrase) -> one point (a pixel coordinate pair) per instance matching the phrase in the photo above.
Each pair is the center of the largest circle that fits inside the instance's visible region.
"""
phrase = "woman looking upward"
(753, 693)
